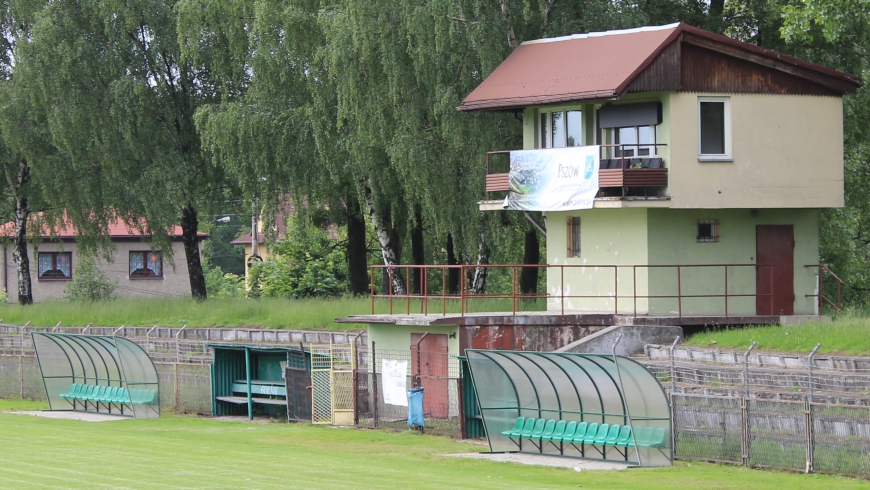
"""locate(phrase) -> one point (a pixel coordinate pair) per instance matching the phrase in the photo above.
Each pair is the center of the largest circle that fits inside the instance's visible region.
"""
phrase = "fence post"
(808, 411)
(374, 385)
(21, 359)
(744, 416)
(746, 368)
(810, 369)
(177, 355)
(673, 370)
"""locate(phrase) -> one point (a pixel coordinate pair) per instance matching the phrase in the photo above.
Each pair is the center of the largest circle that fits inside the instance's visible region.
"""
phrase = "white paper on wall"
(394, 376)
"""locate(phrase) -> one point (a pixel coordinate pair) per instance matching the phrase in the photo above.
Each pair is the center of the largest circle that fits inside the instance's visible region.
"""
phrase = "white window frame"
(727, 156)
(549, 114)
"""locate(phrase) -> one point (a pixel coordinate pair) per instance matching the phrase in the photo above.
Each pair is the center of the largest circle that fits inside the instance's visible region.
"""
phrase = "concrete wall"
(174, 283)
(633, 341)
(398, 337)
(787, 153)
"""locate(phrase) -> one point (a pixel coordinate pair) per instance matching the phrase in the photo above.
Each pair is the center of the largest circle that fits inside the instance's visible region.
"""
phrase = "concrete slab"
(543, 460)
(70, 415)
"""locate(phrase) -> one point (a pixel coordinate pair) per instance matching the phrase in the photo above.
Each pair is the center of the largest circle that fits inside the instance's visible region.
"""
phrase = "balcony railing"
(619, 170)
(679, 288)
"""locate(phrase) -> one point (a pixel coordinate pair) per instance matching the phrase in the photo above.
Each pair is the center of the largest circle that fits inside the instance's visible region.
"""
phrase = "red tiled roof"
(597, 66)
(116, 229)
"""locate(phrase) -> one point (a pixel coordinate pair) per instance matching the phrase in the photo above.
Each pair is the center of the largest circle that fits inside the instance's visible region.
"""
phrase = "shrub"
(223, 285)
(89, 284)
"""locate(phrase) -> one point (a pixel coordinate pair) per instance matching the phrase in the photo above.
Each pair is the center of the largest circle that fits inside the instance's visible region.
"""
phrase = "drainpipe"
(5, 272)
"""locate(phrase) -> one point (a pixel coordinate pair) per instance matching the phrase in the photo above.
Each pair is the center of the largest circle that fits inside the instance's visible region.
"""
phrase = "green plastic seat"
(518, 426)
(560, 429)
(539, 428)
(548, 431)
(568, 435)
(624, 437)
(591, 429)
(123, 396)
(592, 437)
(92, 389)
(612, 436)
(108, 396)
(151, 397)
(658, 438)
(73, 389)
(642, 437)
(83, 392)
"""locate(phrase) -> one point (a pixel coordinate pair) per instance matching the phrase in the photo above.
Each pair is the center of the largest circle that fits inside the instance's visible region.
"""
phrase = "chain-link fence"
(436, 372)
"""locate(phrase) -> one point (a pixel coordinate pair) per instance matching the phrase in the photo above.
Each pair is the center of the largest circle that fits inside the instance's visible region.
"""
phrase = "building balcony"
(626, 171)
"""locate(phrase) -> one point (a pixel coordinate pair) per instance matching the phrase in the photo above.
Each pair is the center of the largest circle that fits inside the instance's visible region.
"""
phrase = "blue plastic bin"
(415, 407)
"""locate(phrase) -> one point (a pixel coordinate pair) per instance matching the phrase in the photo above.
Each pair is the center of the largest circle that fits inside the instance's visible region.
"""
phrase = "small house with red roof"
(139, 270)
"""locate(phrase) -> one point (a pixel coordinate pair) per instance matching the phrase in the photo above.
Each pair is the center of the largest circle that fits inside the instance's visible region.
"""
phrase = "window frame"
(139, 277)
(574, 249)
(710, 157)
(54, 256)
(714, 231)
(548, 113)
(613, 136)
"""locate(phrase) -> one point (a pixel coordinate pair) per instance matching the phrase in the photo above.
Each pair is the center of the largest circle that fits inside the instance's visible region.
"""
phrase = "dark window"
(146, 265)
(55, 265)
(708, 230)
(573, 237)
(712, 127)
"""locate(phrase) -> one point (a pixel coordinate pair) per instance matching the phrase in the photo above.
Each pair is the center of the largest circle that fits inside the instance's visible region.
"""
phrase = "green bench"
(108, 396)
(598, 437)
(263, 391)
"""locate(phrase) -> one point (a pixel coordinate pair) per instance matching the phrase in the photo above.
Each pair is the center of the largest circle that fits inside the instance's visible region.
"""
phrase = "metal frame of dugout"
(97, 373)
(562, 391)
(259, 379)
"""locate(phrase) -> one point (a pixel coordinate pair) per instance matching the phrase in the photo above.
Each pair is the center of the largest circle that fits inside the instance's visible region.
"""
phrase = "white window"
(632, 139)
(714, 129)
(558, 129)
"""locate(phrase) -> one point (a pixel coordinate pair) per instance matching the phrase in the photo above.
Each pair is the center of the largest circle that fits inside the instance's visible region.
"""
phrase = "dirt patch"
(70, 415)
(544, 460)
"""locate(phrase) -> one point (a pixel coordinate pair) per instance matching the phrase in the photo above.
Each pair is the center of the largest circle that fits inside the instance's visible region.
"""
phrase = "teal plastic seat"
(539, 428)
(612, 436)
(123, 396)
(109, 395)
(624, 437)
(591, 429)
(560, 429)
(642, 436)
(568, 435)
(518, 426)
(548, 431)
(91, 391)
(84, 391)
(73, 390)
(592, 437)
(658, 438)
(527, 427)
(99, 393)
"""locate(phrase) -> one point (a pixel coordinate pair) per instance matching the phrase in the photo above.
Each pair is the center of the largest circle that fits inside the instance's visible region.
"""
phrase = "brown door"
(431, 365)
(774, 276)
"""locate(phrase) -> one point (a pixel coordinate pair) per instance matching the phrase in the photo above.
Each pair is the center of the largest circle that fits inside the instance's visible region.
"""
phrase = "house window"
(558, 129)
(708, 230)
(55, 265)
(714, 128)
(633, 137)
(573, 237)
(144, 265)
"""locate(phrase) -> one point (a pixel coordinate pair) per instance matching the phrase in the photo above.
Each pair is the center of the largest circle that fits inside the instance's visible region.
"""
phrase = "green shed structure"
(259, 379)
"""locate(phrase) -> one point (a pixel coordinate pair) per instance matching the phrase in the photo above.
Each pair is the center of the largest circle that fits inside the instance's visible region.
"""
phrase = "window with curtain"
(146, 264)
(54, 265)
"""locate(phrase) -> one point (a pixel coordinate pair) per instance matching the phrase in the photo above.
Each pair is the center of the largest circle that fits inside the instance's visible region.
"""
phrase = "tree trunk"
(418, 252)
(22, 212)
(453, 273)
(387, 243)
(189, 225)
(531, 255)
(477, 281)
(355, 253)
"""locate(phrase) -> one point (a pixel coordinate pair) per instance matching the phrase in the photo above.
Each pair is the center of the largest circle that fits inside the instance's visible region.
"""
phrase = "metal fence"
(803, 436)
(436, 372)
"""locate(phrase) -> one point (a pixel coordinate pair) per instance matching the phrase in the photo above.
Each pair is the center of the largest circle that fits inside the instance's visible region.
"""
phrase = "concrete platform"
(543, 460)
(71, 415)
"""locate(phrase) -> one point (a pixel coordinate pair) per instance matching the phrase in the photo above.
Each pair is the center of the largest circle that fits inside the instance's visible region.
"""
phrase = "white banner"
(394, 377)
(557, 179)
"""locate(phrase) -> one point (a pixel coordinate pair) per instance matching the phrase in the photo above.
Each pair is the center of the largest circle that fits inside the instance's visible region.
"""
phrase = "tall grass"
(303, 314)
(848, 334)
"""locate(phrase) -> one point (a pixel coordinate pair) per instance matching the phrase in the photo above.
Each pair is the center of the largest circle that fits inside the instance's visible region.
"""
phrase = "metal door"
(429, 361)
(298, 393)
(321, 384)
(774, 276)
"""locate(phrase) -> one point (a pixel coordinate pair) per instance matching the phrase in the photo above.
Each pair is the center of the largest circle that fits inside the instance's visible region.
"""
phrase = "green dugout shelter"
(259, 379)
(579, 405)
(97, 373)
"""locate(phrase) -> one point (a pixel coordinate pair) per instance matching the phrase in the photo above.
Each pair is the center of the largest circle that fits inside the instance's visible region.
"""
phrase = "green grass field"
(847, 334)
(186, 452)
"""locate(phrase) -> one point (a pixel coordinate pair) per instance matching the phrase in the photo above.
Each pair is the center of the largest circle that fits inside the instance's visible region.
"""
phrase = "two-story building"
(680, 174)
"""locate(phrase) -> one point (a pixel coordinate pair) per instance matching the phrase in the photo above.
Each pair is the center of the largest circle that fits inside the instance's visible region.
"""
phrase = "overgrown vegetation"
(89, 283)
(847, 334)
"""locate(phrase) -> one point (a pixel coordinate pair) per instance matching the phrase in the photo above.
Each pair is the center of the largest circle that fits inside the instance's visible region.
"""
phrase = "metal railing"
(822, 298)
(464, 293)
